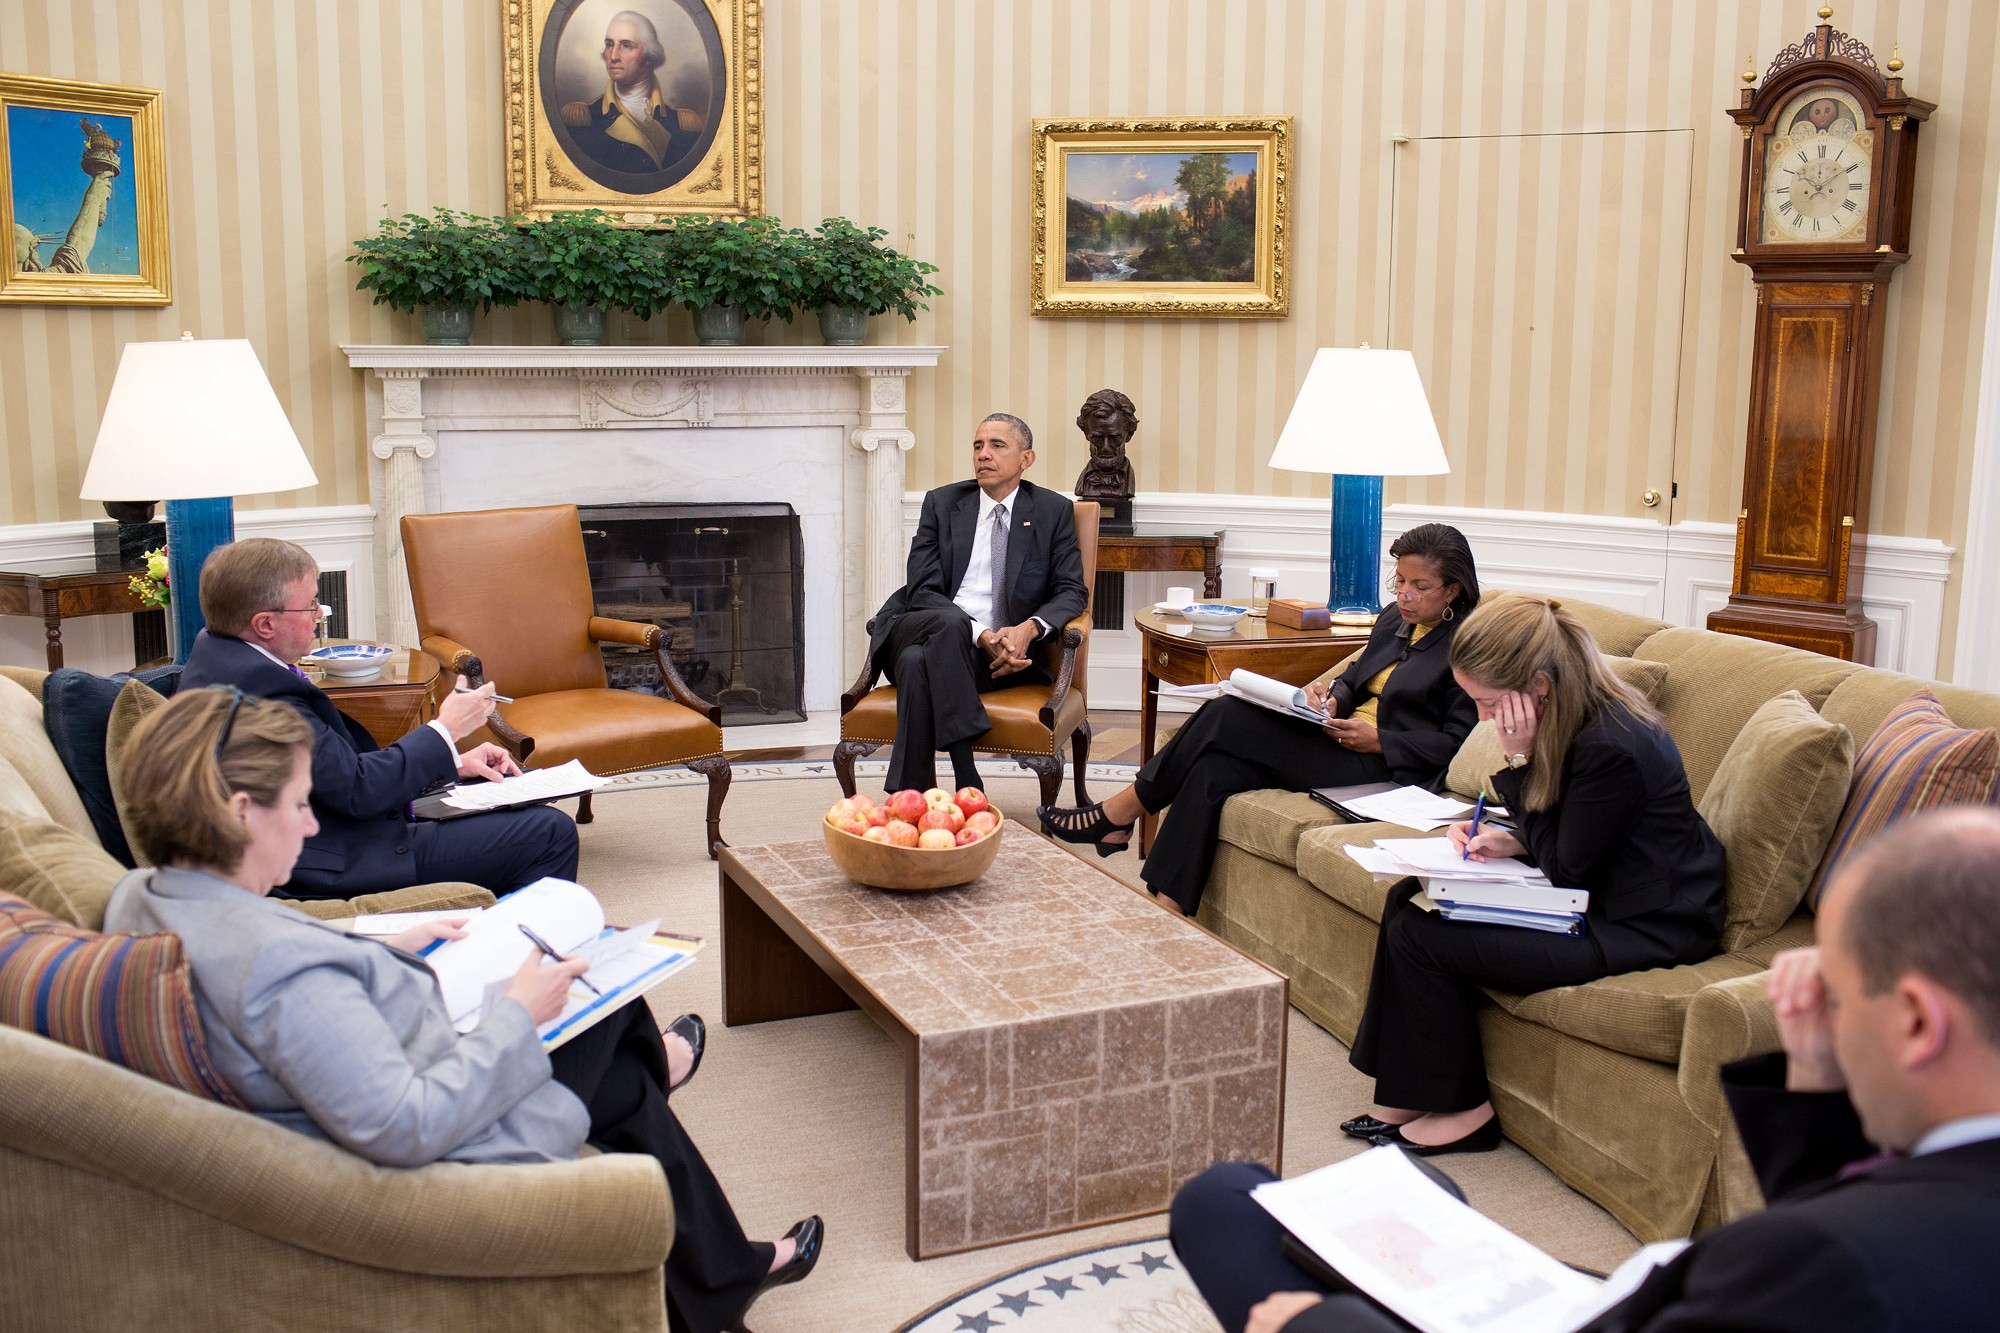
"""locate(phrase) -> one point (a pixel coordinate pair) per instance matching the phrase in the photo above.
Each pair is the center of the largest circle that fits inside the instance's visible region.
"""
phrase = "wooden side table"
(65, 591)
(1171, 653)
(393, 702)
(1153, 549)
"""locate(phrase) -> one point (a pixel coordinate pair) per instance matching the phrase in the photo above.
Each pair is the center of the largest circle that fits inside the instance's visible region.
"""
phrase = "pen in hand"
(543, 945)
(498, 698)
(1478, 813)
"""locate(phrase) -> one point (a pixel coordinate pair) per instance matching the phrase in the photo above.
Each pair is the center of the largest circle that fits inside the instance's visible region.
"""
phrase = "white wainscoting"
(1678, 574)
(340, 538)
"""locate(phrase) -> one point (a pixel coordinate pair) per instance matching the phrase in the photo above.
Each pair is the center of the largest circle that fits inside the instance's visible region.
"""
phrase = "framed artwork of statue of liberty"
(83, 194)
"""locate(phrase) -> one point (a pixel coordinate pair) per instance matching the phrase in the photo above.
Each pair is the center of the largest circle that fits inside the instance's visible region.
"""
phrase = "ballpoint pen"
(498, 698)
(1478, 813)
(543, 945)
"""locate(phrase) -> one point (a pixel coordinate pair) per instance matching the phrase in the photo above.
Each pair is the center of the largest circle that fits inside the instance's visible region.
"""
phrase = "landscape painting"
(1161, 217)
(1154, 218)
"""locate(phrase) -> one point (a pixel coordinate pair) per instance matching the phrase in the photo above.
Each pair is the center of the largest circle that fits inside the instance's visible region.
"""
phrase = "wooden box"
(1295, 614)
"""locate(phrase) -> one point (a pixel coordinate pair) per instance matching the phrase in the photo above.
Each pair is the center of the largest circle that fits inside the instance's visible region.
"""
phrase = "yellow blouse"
(1372, 687)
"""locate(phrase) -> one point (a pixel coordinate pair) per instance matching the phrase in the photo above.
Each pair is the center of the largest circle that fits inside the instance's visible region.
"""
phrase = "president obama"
(994, 569)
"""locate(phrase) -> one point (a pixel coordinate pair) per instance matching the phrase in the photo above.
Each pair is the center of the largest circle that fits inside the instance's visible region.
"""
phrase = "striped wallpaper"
(1552, 241)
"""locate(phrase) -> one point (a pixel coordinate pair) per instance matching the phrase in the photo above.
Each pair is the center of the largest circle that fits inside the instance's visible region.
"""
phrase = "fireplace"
(726, 584)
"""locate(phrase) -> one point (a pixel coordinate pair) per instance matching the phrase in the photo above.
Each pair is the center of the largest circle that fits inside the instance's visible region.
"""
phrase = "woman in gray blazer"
(344, 1037)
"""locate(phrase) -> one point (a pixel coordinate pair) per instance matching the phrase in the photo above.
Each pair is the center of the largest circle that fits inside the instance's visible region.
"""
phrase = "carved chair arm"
(1074, 634)
(460, 660)
(862, 683)
(604, 630)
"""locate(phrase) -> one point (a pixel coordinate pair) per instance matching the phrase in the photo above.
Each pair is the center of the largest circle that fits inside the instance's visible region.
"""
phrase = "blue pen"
(1478, 813)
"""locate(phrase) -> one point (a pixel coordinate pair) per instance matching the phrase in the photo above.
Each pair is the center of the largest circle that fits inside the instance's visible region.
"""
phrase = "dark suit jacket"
(1625, 829)
(360, 790)
(1423, 717)
(1907, 1246)
(1044, 563)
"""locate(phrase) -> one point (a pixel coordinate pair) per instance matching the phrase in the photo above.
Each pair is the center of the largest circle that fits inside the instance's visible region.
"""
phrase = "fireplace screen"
(724, 582)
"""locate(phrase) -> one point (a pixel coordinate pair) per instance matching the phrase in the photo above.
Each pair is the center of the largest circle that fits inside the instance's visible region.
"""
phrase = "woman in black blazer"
(1600, 798)
(1396, 715)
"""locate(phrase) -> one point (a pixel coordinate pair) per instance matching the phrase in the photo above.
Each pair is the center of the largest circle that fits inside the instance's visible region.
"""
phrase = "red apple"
(862, 804)
(957, 816)
(877, 816)
(907, 805)
(936, 839)
(983, 823)
(967, 836)
(937, 819)
(971, 800)
(840, 810)
(901, 833)
(876, 833)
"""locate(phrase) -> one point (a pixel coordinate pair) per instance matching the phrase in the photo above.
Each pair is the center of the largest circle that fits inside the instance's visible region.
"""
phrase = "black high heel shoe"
(1484, 1139)
(1366, 1127)
(1084, 824)
(809, 1237)
(690, 1029)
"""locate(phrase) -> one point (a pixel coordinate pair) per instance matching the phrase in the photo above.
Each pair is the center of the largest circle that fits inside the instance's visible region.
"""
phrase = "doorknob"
(1650, 498)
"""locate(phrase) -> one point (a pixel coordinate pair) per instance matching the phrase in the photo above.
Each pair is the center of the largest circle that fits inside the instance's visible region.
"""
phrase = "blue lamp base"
(1357, 544)
(194, 528)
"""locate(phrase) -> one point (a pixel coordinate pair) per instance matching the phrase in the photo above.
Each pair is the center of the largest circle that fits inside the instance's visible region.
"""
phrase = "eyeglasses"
(314, 611)
(1397, 585)
(235, 703)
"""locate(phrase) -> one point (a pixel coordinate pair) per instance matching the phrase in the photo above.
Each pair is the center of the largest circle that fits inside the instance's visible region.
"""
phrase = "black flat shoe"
(809, 1236)
(1084, 824)
(1484, 1139)
(690, 1029)
(1366, 1127)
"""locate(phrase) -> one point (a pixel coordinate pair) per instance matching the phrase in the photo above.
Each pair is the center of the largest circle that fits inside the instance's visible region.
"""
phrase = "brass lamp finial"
(1896, 59)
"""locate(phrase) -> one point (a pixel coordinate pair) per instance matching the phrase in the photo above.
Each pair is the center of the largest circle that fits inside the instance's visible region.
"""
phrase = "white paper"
(1392, 1232)
(1209, 690)
(535, 785)
(1275, 695)
(1437, 856)
(565, 914)
(381, 925)
(1412, 807)
(639, 964)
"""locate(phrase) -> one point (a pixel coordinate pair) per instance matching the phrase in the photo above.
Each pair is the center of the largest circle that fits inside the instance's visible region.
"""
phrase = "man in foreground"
(261, 599)
(1891, 1033)
(994, 569)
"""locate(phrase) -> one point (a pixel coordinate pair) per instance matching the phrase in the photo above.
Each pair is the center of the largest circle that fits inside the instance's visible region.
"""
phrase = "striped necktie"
(1000, 564)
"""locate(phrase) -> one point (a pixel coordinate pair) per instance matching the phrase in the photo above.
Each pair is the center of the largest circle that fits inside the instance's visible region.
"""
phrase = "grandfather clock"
(1829, 170)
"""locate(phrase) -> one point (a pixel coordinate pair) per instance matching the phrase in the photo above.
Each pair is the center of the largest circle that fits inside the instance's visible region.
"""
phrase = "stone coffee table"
(1073, 1053)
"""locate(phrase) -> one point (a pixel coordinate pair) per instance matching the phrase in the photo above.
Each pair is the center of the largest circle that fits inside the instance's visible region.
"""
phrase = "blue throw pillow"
(76, 710)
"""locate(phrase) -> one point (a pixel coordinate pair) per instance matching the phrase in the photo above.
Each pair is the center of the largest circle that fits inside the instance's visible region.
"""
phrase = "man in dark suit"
(1891, 1034)
(261, 600)
(994, 569)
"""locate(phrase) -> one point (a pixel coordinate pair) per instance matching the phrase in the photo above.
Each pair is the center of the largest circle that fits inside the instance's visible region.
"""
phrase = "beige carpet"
(807, 1116)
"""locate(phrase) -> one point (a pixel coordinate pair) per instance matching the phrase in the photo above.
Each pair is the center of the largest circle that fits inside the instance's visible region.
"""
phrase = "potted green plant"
(441, 266)
(726, 270)
(849, 274)
(582, 263)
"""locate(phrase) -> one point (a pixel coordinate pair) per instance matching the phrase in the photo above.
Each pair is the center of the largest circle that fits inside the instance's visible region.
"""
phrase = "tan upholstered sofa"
(1613, 1084)
(127, 1203)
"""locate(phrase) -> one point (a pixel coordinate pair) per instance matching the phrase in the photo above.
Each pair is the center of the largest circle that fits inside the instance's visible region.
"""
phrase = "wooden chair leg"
(844, 755)
(583, 814)
(718, 772)
(1079, 748)
(1049, 768)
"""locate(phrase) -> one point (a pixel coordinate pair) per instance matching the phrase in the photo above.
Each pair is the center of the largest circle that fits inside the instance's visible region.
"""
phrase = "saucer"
(350, 659)
(1164, 609)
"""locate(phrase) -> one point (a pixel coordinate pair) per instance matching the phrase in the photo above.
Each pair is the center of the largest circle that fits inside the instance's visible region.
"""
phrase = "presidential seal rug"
(1136, 1287)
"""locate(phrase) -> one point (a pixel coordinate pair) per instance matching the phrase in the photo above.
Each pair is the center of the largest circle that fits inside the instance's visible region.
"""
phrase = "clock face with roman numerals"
(1817, 171)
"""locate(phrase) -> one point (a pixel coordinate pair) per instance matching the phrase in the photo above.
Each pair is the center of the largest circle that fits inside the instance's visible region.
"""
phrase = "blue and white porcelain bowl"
(350, 659)
(1214, 615)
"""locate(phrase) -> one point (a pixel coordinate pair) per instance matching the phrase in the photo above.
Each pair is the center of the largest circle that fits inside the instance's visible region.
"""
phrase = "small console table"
(66, 590)
(1157, 548)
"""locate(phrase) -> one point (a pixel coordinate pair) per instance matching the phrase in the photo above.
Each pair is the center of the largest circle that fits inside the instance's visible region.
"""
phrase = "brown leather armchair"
(504, 594)
(1030, 722)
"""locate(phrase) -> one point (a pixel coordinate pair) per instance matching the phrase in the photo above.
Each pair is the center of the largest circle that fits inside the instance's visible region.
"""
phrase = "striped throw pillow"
(123, 998)
(1917, 760)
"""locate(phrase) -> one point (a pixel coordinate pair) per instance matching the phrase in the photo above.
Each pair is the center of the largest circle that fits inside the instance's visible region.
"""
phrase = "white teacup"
(1178, 597)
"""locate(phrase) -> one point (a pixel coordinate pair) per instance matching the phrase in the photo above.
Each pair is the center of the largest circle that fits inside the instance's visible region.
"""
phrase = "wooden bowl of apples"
(914, 839)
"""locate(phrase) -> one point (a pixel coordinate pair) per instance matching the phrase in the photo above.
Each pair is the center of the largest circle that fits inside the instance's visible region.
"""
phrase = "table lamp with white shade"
(194, 423)
(1362, 416)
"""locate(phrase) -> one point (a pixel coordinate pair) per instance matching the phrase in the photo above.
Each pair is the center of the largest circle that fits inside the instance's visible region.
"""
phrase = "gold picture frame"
(573, 142)
(69, 235)
(1184, 217)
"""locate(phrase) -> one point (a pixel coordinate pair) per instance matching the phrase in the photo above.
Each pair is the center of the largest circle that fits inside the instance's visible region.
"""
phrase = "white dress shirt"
(1958, 1133)
(975, 595)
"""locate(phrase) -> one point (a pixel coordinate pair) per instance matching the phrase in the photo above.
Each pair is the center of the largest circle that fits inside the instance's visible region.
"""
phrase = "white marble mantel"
(822, 428)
